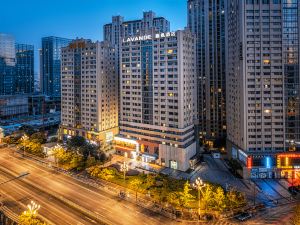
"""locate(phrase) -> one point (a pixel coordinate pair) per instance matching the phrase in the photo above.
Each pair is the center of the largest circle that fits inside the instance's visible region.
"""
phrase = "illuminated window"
(267, 111)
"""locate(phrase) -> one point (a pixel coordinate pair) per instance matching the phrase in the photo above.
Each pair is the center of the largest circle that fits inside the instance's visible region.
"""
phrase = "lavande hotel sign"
(149, 37)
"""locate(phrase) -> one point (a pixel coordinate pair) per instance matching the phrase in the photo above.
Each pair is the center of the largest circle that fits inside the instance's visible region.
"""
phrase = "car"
(293, 190)
(244, 216)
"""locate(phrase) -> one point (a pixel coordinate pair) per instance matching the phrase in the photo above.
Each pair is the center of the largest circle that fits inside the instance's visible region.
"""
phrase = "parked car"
(293, 190)
(244, 216)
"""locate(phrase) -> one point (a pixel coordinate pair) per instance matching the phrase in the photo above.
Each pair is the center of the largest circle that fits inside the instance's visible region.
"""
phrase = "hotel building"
(158, 92)
(89, 103)
(262, 83)
(115, 31)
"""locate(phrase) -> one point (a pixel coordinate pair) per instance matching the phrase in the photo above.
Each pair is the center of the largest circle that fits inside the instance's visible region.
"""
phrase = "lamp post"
(56, 147)
(32, 209)
(124, 169)
(199, 184)
(24, 174)
(24, 138)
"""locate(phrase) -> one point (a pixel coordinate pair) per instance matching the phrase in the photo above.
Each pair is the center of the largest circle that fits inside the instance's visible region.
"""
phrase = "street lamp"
(32, 209)
(21, 175)
(124, 169)
(24, 138)
(199, 184)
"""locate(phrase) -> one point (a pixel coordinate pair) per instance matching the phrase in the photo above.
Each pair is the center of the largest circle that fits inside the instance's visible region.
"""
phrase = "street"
(43, 185)
(65, 200)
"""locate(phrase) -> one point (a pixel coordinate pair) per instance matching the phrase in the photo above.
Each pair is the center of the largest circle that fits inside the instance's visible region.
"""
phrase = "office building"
(13, 106)
(50, 64)
(158, 92)
(206, 19)
(7, 64)
(89, 91)
(7, 49)
(24, 79)
(263, 82)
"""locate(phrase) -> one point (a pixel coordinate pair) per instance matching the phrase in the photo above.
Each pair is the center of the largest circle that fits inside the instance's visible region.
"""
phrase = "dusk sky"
(30, 20)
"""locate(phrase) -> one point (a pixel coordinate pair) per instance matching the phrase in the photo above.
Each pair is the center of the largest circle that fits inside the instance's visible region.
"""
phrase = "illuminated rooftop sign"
(149, 37)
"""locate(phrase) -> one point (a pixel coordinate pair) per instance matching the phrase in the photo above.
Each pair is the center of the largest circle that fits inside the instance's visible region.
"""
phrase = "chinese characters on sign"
(149, 37)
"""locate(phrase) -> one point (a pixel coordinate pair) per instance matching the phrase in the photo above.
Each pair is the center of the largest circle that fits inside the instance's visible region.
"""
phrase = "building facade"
(50, 64)
(7, 64)
(13, 106)
(89, 91)
(158, 92)
(24, 79)
(115, 31)
(263, 81)
(206, 19)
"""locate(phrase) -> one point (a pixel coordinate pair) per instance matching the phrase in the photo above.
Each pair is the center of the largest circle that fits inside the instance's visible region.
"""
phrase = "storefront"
(288, 165)
(127, 147)
(147, 158)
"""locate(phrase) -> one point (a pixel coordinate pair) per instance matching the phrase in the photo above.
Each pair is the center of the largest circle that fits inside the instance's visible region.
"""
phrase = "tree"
(106, 174)
(150, 181)
(35, 148)
(102, 173)
(235, 199)
(90, 161)
(87, 150)
(39, 137)
(136, 184)
(102, 157)
(207, 195)
(220, 199)
(25, 219)
(296, 217)
(174, 198)
(185, 196)
(29, 217)
(75, 142)
(62, 156)
(94, 171)
(76, 162)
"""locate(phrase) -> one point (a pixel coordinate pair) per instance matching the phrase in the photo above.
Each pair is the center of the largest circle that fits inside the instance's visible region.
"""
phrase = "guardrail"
(14, 219)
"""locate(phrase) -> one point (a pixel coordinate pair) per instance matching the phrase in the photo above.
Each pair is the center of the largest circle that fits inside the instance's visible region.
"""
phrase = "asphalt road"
(43, 185)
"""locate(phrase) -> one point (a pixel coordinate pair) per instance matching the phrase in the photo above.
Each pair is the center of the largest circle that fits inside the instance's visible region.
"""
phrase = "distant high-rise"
(50, 64)
(7, 64)
(7, 49)
(206, 19)
(89, 91)
(263, 115)
(24, 79)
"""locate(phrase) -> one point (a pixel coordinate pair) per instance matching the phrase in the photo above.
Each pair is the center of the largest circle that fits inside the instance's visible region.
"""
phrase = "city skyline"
(150, 112)
(74, 19)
